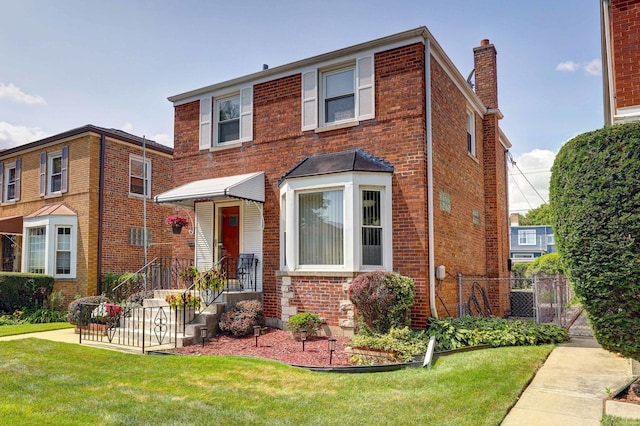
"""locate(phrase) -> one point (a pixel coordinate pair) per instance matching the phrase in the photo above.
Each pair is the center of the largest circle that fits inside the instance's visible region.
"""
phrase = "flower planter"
(176, 229)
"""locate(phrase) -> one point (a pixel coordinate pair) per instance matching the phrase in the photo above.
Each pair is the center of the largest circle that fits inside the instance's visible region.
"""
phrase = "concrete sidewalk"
(68, 335)
(571, 386)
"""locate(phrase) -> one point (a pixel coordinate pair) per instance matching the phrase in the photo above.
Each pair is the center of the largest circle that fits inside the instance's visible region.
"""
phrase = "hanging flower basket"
(176, 222)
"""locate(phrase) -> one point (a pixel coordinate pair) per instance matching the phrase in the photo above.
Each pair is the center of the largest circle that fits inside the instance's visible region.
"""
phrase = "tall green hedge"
(595, 198)
(20, 290)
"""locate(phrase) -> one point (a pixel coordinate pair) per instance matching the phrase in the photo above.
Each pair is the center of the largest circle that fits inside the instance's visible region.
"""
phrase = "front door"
(230, 231)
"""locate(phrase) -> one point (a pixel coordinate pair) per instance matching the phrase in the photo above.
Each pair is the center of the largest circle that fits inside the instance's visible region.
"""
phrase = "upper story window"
(339, 94)
(10, 181)
(226, 119)
(54, 168)
(139, 176)
(471, 133)
(527, 237)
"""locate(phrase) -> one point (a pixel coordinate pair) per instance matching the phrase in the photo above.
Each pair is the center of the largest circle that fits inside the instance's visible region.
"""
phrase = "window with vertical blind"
(337, 222)
(321, 228)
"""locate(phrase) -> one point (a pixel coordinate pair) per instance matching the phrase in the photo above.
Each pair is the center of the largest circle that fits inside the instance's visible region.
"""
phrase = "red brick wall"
(397, 135)
(122, 211)
(625, 33)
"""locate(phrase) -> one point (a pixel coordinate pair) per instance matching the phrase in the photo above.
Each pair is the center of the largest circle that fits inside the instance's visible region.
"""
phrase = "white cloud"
(569, 66)
(532, 170)
(12, 135)
(594, 67)
(14, 94)
(127, 127)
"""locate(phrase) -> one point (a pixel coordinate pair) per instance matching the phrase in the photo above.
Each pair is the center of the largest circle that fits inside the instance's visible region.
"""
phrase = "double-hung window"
(10, 181)
(471, 133)
(54, 172)
(527, 237)
(371, 228)
(139, 176)
(63, 250)
(226, 119)
(338, 94)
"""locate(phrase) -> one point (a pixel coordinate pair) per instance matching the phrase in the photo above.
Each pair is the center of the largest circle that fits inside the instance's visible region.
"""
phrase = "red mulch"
(275, 344)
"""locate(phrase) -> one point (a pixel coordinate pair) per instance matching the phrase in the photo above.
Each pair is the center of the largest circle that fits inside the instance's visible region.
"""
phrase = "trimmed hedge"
(23, 291)
(595, 198)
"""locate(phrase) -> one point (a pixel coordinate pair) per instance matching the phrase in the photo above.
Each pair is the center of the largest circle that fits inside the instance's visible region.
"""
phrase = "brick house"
(71, 206)
(620, 34)
(378, 156)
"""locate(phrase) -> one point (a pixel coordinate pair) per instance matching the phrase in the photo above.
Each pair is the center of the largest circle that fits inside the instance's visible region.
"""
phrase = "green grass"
(619, 421)
(10, 330)
(47, 382)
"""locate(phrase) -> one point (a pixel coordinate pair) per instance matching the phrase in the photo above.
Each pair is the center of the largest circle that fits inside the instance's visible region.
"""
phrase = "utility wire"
(515, 182)
(513, 163)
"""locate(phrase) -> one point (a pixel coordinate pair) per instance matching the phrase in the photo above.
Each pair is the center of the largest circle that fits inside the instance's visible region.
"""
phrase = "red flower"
(176, 220)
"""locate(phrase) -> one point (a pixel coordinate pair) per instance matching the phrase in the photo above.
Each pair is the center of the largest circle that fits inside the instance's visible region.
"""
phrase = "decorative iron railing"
(161, 273)
(127, 325)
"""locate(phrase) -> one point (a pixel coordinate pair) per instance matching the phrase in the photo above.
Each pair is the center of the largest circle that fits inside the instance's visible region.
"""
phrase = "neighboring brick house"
(71, 205)
(620, 31)
(375, 156)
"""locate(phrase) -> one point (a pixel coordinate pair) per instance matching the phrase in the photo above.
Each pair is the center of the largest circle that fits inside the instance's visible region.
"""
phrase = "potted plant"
(189, 274)
(182, 300)
(177, 222)
(210, 283)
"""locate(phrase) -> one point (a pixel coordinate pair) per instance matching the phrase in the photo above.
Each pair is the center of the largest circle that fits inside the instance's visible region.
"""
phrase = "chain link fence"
(543, 299)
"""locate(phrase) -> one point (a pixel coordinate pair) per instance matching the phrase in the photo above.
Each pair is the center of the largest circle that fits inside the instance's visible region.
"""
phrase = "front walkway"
(571, 386)
(68, 335)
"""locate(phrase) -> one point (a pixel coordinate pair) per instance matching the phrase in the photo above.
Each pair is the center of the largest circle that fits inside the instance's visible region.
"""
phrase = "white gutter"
(430, 231)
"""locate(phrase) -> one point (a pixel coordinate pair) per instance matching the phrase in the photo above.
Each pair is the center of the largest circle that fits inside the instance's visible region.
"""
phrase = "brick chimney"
(484, 61)
(495, 181)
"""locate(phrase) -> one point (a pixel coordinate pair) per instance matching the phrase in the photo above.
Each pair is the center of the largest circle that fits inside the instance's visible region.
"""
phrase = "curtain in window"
(321, 224)
(36, 250)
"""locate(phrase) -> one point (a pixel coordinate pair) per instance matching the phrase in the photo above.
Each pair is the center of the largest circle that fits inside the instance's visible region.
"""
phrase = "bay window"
(51, 245)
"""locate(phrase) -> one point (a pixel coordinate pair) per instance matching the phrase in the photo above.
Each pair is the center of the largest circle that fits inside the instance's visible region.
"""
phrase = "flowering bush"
(187, 300)
(105, 312)
(239, 321)
(176, 220)
(75, 314)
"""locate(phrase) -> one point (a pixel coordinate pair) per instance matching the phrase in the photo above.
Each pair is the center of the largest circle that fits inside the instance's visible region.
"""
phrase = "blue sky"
(67, 63)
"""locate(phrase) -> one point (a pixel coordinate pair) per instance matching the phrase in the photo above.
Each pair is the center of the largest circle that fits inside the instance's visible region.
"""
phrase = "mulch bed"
(278, 345)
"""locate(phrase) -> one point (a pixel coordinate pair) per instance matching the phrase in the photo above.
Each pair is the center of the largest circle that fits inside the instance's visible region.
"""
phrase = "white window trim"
(471, 130)
(147, 182)
(523, 233)
(5, 180)
(51, 223)
(50, 157)
(208, 128)
(384, 212)
(312, 96)
(352, 183)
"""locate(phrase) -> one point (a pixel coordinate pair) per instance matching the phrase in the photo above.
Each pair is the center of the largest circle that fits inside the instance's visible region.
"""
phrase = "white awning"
(249, 186)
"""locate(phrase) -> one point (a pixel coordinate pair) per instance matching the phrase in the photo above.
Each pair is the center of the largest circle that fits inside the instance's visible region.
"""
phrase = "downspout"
(100, 208)
(607, 68)
(430, 231)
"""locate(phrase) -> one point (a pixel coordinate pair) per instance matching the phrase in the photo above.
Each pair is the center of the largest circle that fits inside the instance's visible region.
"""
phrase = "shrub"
(241, 319)
(23, 291)
(382, 299)
(403, 341)
(306, 321)
(547, 265)
(455, 333)
(74, 307)
(595, 194)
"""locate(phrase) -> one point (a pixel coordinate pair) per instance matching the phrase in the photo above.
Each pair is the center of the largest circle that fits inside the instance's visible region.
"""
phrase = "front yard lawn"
(46, 382)
(10, 330)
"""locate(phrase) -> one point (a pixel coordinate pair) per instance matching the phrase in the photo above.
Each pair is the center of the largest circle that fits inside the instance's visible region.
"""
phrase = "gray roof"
(115, 133)
(355, 160)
